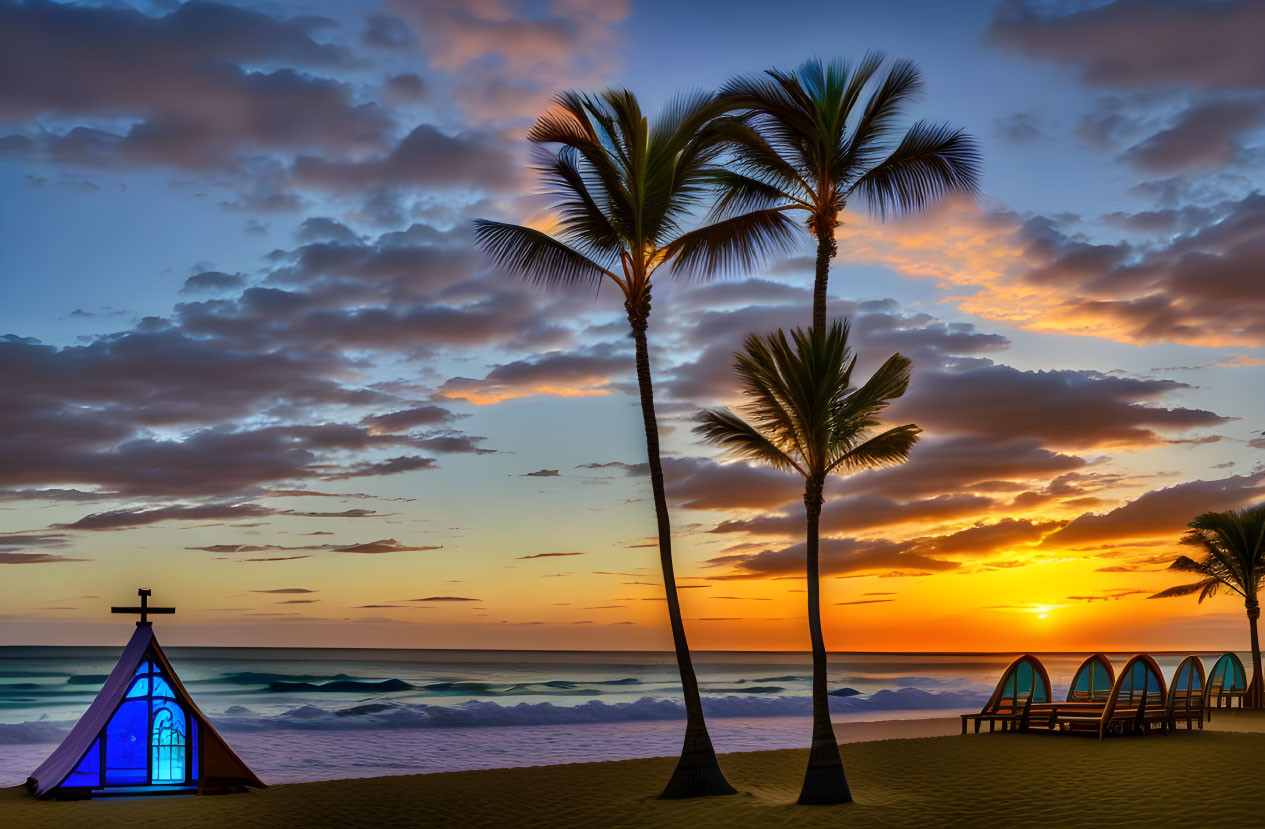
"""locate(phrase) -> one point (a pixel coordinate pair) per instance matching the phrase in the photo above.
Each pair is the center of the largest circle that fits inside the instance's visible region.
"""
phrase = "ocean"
(297, 714)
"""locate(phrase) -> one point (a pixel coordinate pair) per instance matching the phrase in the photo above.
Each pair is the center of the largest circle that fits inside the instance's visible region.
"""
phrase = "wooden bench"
(1012, 717)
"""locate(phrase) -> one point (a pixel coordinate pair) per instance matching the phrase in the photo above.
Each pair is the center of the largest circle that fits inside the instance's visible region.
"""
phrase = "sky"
(251, 359)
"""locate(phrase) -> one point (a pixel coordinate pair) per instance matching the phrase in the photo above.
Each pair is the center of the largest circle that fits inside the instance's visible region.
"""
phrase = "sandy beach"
(903, 773)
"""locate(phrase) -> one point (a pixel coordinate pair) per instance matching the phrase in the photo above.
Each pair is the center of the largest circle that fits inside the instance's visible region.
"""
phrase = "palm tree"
(810, 147)
(1233, 547)
(804, 415)
(622, 189)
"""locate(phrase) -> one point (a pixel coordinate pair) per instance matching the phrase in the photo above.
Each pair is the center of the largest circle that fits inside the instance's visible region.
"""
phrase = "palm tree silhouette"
(804, 415)
(810, 147)
(622, 189)
(1233, 547)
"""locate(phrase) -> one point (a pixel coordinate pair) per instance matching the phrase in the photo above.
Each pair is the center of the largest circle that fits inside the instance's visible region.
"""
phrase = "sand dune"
(1183, 779)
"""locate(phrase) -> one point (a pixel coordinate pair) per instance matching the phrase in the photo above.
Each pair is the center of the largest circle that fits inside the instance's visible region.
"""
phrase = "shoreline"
(902, 773)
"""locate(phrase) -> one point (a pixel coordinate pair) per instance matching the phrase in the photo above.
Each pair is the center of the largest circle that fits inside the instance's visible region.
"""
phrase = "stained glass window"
(147, 741)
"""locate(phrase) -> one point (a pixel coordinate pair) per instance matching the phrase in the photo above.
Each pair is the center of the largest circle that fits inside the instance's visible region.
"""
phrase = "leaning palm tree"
(811, 147)
(802, 414)
(1233, 547)
(623, 188)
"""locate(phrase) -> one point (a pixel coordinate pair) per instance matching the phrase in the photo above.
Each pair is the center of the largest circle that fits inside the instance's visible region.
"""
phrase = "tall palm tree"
(622, 190)
(812, 148)
(1233, 547)
(804, 415)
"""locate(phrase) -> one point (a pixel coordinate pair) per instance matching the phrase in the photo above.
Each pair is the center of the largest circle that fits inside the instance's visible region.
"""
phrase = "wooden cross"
(144, 610)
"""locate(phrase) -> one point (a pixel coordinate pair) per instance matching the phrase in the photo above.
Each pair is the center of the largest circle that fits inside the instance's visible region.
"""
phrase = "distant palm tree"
(622, 189)
(804, 415)
(1233, 547)
(811, 148)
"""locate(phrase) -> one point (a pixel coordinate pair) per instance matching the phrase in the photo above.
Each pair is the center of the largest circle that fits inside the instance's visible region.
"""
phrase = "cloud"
(547, 555)
(505, 58)
(212, 282)
(35, 558)
(541, 473)
(390, 466)
(426, 158)
(1072, 409)
(386, 545)
(555, 373)
(285, 590)
(1161, 512)
(1198, 288)
(862, 511)
(144, 516)
(865, 601)
(446, 599)
(405, 419)
(1206, 136)
(85, 63)
(1142, 43)
(838, 556)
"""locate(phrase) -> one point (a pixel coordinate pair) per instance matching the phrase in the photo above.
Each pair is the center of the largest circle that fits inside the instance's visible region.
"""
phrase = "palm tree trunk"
(826, 250)
(698, 771)
(824, 781)
(1254, 689)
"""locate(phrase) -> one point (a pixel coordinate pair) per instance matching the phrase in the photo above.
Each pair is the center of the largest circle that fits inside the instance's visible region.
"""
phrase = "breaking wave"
(476, 713)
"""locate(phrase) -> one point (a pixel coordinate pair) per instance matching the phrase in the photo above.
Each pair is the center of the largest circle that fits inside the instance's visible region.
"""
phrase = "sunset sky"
(250, 358)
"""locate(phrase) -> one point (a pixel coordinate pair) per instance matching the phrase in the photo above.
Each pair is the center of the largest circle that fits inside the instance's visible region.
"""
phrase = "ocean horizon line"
(665, 652)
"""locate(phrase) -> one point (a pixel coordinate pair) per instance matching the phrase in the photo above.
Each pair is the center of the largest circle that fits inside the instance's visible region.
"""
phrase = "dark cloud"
(560, 373)
(82, 62)
(144, 516)
(1143, 43)
(213, 282)
(541, 473)
(1019, 127)
(862, 511)
(950, 465)
(404, 89)
(385, 31)
(324, 229)
(446, 599)
(285, 590)
(22, 541)
(426, 157)
(36, 558)
(1202, 287)
(390, 466)
(1206, 136)
(838, 556)
(1075, 409)
(386, 545)
(695, 483)
(1161, 512)
(547, 555)
(405, 419)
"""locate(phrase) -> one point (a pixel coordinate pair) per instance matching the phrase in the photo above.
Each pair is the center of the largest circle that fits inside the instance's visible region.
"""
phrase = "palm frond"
(737, 193)
(740, 242)
(797, 393)
(537, 257)
(884, 449)
(932, 160)
(741, 441)
(1200, 587)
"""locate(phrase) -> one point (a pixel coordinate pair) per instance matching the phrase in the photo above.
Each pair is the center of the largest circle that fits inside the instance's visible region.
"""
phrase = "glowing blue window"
(162, 689)
(140, 688)
(88, 772)
(143, 668)
(167, 744)
(126, 746)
